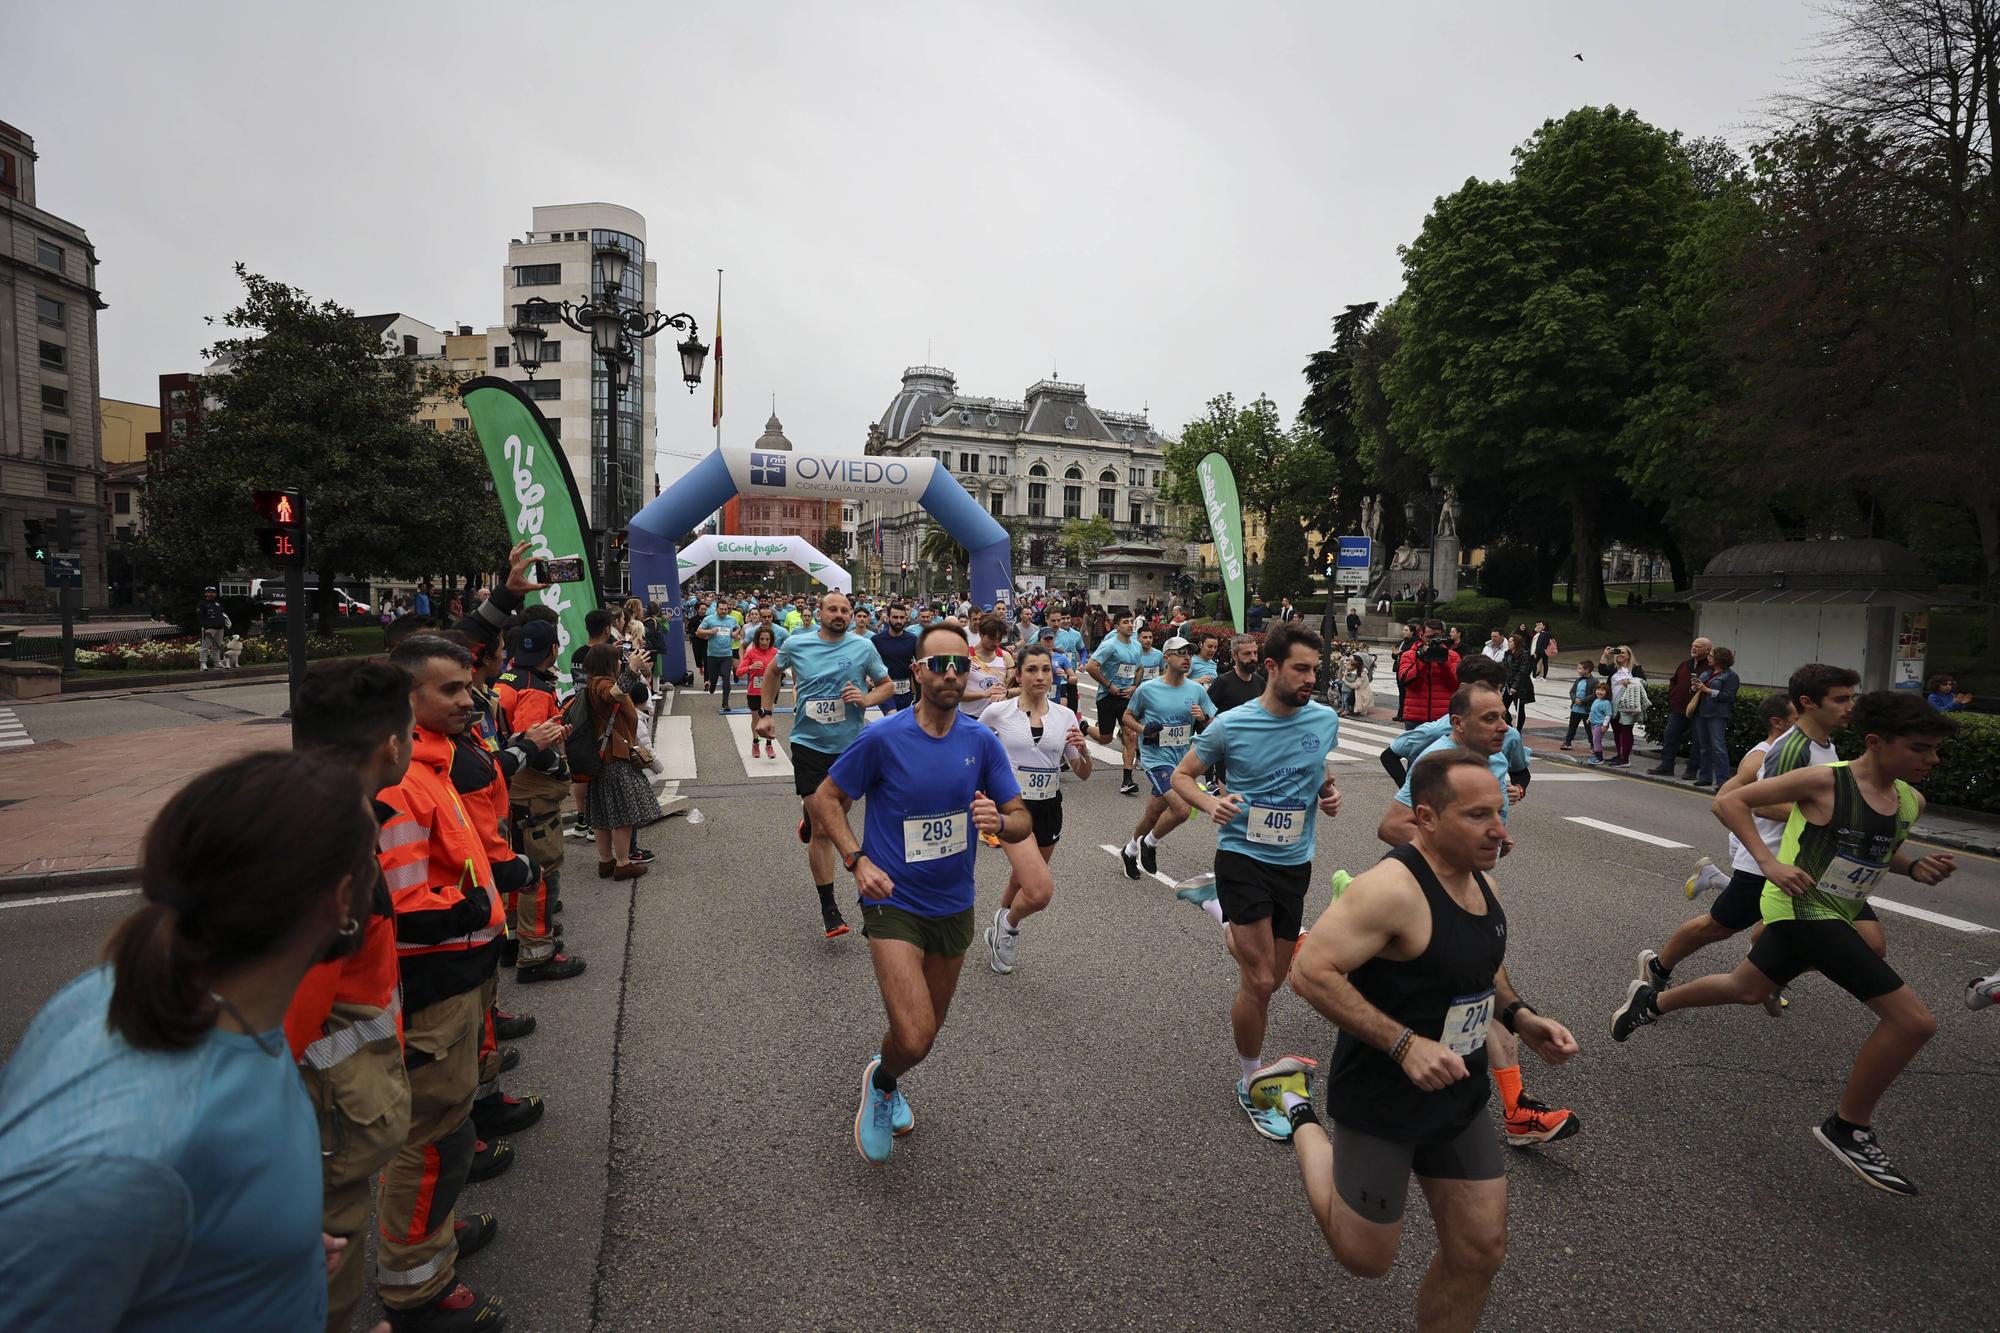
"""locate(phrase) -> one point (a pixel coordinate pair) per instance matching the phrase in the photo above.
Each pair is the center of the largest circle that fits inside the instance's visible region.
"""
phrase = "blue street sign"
(1355, 552)
(63, 570)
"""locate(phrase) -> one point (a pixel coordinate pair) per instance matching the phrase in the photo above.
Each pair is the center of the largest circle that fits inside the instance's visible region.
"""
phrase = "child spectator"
(1600, 718)
(1580, 691)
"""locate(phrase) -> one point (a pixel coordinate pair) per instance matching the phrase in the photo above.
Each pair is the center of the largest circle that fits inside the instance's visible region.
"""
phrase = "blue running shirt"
(1168, 712)
(820, 721)
(720, 643)
(1412, 743)
(1277, 765)
(1118, 659)
(1497, 761)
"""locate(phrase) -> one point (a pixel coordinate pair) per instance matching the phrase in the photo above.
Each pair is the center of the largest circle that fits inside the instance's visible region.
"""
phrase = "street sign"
(63, 570)
(1351, 569)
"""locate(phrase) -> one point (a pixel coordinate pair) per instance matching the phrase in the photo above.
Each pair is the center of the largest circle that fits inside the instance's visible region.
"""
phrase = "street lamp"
(1432, 501)
(611, 323)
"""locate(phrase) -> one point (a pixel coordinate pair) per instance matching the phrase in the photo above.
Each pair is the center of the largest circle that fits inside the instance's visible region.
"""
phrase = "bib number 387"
(935, 837)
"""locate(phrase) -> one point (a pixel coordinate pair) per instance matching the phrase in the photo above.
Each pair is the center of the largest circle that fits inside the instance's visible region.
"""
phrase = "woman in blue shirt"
(159, 1159)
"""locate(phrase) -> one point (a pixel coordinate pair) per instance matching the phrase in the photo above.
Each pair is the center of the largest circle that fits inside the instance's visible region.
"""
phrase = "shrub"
(1471, 612)
(1509, 573)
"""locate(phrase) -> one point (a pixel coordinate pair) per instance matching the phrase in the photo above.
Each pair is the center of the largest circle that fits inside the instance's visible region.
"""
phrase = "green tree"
(308, 397)
(1287, 567)
(1273, 465)
(1082, 539)
(1329, 411)
(941, 551)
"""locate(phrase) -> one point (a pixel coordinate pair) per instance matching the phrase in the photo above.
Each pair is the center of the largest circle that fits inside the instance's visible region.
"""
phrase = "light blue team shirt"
(1414, 742)
(1277, 765)
(1172, 708)
(819, 720)
(1070, 641)
(719, 645)
(156, 1190)
(1151, 664)
(1118, 659)
(1062, 662)
(1201, 668)
(1498, 762)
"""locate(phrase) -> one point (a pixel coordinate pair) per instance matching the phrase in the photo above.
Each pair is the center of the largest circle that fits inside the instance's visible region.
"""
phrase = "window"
(537, 275)
(551, 350)
(1072, 473)
(55, 446)
(997, 465)
(1117, 580)
(1137, 476)
(1072, 502)
(1038, 499)
(1132, 512)
(60, 485)
(49, 253)
(409, 344)
(968, 462)
(54, 399)
(1037, 470)
(461, 423)
(996, 504)
(555, 430)
(1159, 477)
(50, 310)
(543, 391)
(178, 428)
(121, 503)
(502, 355)
(1107, 503)
(54, 355)
(177, 400)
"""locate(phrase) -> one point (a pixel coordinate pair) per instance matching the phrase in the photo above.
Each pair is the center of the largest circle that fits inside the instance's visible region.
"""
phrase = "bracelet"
(1402, 1045)
(1507, 1015)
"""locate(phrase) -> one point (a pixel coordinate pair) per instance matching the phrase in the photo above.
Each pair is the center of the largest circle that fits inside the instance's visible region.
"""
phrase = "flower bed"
(183, 654)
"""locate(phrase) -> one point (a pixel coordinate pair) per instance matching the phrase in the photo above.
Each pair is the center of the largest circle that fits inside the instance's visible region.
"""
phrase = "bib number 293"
(935, 837)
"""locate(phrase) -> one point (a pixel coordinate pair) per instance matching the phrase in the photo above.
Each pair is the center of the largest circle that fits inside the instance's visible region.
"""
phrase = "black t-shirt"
(1231, 689)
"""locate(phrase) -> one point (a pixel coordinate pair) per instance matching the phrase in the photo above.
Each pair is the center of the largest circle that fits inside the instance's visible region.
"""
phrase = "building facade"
(608, 436)
(49, 445)
(1034, 463)
(464, 354)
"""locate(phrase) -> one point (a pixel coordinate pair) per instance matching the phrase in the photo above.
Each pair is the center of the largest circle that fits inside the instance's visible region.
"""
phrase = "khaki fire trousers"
(416, 1249)
(363, 1104)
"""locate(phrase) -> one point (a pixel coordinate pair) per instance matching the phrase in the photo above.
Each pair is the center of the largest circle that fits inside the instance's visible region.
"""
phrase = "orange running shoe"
(1530, 1122)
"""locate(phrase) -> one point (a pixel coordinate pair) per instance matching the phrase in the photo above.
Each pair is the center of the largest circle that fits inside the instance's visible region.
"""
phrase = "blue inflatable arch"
(742, 470)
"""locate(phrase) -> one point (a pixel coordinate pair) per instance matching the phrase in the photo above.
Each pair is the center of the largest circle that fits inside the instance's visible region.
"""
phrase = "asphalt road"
(1079, 1161)
(77, 716)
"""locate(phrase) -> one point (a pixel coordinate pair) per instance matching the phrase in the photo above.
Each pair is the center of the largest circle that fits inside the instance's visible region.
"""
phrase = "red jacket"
(1427, 686)
(449, 920)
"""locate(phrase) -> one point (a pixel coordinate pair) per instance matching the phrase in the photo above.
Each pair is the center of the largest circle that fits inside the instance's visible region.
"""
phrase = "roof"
(1050, 407)
(379, 323)
(773, 436)
(1842, 571)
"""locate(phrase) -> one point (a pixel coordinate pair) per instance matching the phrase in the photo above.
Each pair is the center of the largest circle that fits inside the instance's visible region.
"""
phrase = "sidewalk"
(74, 812)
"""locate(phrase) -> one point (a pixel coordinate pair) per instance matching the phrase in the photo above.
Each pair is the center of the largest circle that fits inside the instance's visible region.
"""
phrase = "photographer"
(1428, 674)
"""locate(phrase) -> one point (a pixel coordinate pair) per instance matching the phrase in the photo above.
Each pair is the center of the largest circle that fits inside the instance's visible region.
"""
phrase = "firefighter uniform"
(535, 798)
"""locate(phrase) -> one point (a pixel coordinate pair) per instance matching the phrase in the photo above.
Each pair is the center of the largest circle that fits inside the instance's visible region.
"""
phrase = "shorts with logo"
(1250, 890)
(1738, 906)
(942, 936)
(809, 768)
(1047, 819)
(1833, 948)
(1162, 778)
(1372, 1174)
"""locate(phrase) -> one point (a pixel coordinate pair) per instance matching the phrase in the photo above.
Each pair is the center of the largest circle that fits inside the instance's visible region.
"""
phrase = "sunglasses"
(941, 663)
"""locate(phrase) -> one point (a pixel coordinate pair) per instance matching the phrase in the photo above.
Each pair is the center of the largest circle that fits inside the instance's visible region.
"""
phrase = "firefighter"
(527, 692)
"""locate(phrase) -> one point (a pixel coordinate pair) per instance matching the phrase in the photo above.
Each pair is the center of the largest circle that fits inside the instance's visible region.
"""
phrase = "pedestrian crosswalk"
(13, 732)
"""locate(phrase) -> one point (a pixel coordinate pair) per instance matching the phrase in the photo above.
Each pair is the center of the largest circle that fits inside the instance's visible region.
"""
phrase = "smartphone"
(559, 569)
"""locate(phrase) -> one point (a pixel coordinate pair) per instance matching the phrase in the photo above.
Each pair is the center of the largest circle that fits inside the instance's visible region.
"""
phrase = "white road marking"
(739, 728)
(10, 744)
(673, 743)
(66, 898)
(1540, 778)
(1119, 852)
(1935, 918)
(1623, 832)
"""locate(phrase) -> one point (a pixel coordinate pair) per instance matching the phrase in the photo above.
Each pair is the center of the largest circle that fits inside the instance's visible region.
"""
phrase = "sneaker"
(1273, 1125)
(1128, 788)
(474, 1232)
(901, 1118)
(1983, 992)
(834, 923)
(875, 1119)
(1697, 880)
(1340, 880)
(1565, 746)
(1652, 973)
(1292, 1074)
(510, 1056)
(1863, 1155)
(1202, 890)
(503, 1114)
(642, 856)
(1149, 856)
(558, 967)
(1131, 861)
(1001, 943)
(490, 1157)
(580, 833)
(511, 1027)
(1776, 1003)
(1596, 762)
(1532, 1122)
(459, 1310)
(1638, 1010)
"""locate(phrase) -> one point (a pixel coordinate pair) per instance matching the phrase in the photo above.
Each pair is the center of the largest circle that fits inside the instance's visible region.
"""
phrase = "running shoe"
(580, 833)
(901, 1118)
(1341, 879)
(641, 855)
(1652, 973)
(1200, 891)
(834, 923)
(1697, 880)
(1001, 943)
(1776, 1003)
(1149, 856)
(1128, 788)
(1291, 1074)
(805, 834)
(1531, 1122)
(1638, 1010)
(875, 1118)
(1273, 1125)
(1983, 992)
(1131, 861)
(1863, 1155)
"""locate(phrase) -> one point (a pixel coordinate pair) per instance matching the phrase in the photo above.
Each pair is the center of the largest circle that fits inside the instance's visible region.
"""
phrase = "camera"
(1436, 650)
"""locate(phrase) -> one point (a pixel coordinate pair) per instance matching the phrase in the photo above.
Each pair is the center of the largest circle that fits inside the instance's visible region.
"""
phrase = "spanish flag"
(715, 416)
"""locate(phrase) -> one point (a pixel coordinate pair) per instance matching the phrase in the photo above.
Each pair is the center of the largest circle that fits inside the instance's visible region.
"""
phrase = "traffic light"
(38, 545)
(281, 524)
(1329, 564)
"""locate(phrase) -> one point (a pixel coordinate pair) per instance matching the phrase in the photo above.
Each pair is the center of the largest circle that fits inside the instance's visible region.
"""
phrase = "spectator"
(213, 622)
(1254, 618)
(1711, 720)
(1680, 689)
(1519, 690)
(1495, 647)
(1629, 700)
(1581, 691)
(1428, 672)
(159, 1160)
(1943, 696)
(620, 799)
(1457, 641)
(1543, 646)
(1413, 634)
(420, 603)
(1287, 613)
(1600, 718)
(1382, 602)
(1353, 623)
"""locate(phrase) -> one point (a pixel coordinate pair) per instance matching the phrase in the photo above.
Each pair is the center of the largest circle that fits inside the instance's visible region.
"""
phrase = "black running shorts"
(1372, 1175)
(1739, 905)
(809, 768)
(1833, 948)
(1251, 890)
(1047, 818)
(1110, 712)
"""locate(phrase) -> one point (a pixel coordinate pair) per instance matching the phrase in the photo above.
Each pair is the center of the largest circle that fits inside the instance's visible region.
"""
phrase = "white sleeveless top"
(1037, 763)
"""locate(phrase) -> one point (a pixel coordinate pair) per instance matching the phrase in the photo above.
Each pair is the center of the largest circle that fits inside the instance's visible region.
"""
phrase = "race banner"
(1225, 526)
(710, 548)
(539, 498)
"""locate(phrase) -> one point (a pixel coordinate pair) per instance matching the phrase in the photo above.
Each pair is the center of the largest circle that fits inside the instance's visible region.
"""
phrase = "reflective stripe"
(476, 937)
(411, 875)
(400, 833)
(422, 1273)
(331, 1049)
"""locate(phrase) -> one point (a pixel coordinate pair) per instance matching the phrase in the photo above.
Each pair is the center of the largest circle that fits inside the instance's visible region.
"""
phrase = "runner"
(930, 778)
(1823, 697)
(1118, 654)
(1203, 668)
(837, 678)
(1275, 747)
(896, 645)
(1845, 832)
(1040, 737)
(718, 631)
(1164, 714)
(1151, 660)
(1477, 722)
(987, 684)
(1069, 643)
(1407, 745)
(1409, 961)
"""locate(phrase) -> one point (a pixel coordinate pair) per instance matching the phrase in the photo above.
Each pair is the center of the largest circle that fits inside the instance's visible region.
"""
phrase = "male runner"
(837, 678)
(1117, 654)
(717, 631)
(1403, 750)
(1164, 714)
(1151, 660)
(1069, 642)
(932, 778)
(1824, 699)
(1276, 748)
(1409, 961)
(1477, 719)
(1202, 669)
(1243, 681)
(1845, 832)
(895, 645)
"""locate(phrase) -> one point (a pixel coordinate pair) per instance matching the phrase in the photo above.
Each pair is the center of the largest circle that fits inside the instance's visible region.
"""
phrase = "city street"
(1079, 1160)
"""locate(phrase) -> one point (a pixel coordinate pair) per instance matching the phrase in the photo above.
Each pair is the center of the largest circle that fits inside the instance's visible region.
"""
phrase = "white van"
(271, 593)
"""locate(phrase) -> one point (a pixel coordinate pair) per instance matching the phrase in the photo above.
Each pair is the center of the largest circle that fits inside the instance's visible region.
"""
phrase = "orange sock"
(1509, 1081)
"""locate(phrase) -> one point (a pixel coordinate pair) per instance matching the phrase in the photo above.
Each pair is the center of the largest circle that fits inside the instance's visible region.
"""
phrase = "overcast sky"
(1163, 200)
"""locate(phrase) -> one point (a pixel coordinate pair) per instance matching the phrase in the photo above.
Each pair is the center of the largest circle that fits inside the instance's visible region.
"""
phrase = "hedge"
(1968, 761)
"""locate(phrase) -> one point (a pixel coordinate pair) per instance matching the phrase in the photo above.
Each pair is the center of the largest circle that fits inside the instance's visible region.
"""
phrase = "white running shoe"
(1983, 992)
(1001, 943)
(1698, 881)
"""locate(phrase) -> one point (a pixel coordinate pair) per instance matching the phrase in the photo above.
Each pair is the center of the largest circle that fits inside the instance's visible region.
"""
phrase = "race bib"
(902, 687)
(722, 634)
(826, 712)
(1038, 784)
(1465, 1023)
(1176, 735)
(1127, 672)
(935, 837)
(1848, 878)
(1276, 825)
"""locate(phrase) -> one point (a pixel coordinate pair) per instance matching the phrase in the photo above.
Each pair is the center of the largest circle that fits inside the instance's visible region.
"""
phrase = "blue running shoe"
(874, 1121)
(1198, 890)
(1272, 1124)
(901, 1117)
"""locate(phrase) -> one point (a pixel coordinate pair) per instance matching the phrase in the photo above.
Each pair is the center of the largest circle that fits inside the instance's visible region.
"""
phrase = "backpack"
(584, 747)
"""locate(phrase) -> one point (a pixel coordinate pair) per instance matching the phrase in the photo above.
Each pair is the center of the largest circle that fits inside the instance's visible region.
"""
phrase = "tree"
(1287, 570)
(941, 551)
(1273, 465)
(1083, 538)
(308, 397)
(1329, 411)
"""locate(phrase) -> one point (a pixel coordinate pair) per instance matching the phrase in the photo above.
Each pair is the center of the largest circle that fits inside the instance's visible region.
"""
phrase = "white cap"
(1175, 645)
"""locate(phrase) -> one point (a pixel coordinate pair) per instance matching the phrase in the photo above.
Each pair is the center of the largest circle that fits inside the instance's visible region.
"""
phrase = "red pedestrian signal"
(281, 524)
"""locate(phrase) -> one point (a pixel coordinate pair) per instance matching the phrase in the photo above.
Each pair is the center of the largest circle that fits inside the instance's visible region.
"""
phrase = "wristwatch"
(1508, 1014)
(851, 859)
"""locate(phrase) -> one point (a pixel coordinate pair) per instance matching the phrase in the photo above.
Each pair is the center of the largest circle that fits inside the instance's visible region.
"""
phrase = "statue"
(1448, 516)
(1371, 518)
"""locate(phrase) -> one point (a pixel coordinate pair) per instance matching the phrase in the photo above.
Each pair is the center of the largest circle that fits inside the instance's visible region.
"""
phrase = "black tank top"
(1368, 1091)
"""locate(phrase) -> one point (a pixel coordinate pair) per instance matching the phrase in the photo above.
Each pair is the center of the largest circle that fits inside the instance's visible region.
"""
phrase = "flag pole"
(716, 416)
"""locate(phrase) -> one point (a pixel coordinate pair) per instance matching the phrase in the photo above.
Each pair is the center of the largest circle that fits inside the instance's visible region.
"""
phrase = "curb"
(56, 881)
